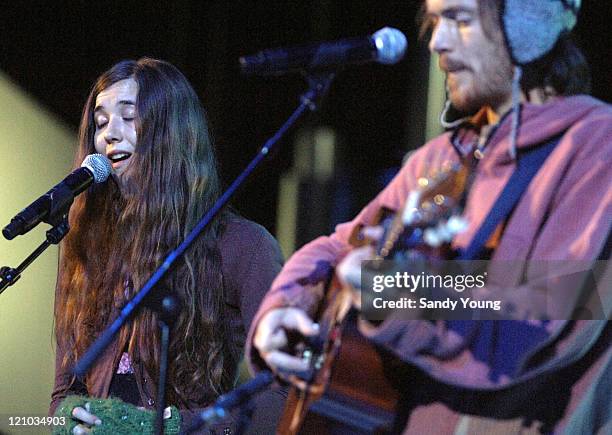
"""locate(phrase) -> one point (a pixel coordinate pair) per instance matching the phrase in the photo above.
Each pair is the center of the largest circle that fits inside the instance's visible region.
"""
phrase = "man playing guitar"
(515, 83)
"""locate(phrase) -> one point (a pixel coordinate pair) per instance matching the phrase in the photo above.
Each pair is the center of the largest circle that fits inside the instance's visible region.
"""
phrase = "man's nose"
(441, 37)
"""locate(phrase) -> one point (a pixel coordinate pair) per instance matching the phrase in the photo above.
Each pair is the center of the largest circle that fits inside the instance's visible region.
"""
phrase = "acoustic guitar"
(349, 386)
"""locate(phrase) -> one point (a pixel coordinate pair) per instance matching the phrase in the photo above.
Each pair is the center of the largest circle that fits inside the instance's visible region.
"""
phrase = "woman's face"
(114, 118)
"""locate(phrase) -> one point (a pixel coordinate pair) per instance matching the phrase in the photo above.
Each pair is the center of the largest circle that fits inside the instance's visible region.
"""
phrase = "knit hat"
(531, 29)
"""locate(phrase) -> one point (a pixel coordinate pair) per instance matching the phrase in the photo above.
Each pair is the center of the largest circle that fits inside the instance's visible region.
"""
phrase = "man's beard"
(492, 90)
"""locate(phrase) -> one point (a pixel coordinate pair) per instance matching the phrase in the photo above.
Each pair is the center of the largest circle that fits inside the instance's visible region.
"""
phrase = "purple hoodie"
(565, 214)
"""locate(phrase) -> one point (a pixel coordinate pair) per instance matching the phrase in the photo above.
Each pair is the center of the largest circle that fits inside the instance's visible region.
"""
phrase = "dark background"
(56, 50)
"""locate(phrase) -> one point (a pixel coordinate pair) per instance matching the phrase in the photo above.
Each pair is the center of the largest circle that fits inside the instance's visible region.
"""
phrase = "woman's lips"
(119, 159)
(121, 163)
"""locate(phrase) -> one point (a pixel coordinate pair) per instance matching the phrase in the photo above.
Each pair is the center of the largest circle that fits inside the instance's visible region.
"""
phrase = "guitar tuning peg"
(432, 238)
(456, 224)
(444, 232)
(411, 210)
(439, 199)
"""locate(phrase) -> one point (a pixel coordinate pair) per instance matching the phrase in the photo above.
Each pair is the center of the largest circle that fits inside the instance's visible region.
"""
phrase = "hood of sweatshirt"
(541, 122)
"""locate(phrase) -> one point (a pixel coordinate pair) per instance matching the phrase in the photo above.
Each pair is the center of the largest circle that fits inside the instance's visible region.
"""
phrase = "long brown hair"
(120, 237)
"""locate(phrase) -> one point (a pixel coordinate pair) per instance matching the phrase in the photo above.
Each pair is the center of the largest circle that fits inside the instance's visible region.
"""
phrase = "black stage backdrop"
(54, 50)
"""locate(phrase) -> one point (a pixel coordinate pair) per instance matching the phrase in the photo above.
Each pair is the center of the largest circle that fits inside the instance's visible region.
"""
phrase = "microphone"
(386, 46)
(230, 400)
(95, 169)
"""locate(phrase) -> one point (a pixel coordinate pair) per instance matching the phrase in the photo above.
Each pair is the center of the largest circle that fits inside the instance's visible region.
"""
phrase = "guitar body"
(359, 398)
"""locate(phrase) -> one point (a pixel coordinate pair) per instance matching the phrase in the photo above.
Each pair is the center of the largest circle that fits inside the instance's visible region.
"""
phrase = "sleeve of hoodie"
(314, 262)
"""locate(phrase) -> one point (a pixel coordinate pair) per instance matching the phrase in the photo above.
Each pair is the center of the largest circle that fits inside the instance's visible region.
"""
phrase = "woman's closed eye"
(101, 121)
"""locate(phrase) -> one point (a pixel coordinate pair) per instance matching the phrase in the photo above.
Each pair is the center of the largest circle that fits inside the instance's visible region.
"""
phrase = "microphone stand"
(318, 86)
(9, 275)
(168, 309)
(59, 205)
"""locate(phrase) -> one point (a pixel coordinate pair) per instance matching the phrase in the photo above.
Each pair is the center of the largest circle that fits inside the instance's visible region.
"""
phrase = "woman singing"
(147, 120)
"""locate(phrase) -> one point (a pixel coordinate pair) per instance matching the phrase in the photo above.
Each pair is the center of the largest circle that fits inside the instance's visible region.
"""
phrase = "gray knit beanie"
(532, 27)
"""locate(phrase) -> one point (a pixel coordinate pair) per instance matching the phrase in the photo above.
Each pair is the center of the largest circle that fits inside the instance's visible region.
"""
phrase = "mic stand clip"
(61, 200)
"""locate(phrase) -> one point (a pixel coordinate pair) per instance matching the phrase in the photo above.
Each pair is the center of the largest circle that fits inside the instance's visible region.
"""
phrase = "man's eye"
(463, 21)
(101, 123)
(128, 118)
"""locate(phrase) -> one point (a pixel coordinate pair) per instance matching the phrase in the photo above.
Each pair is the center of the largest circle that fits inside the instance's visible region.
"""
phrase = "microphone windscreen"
(390, 44)
(99, 166)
